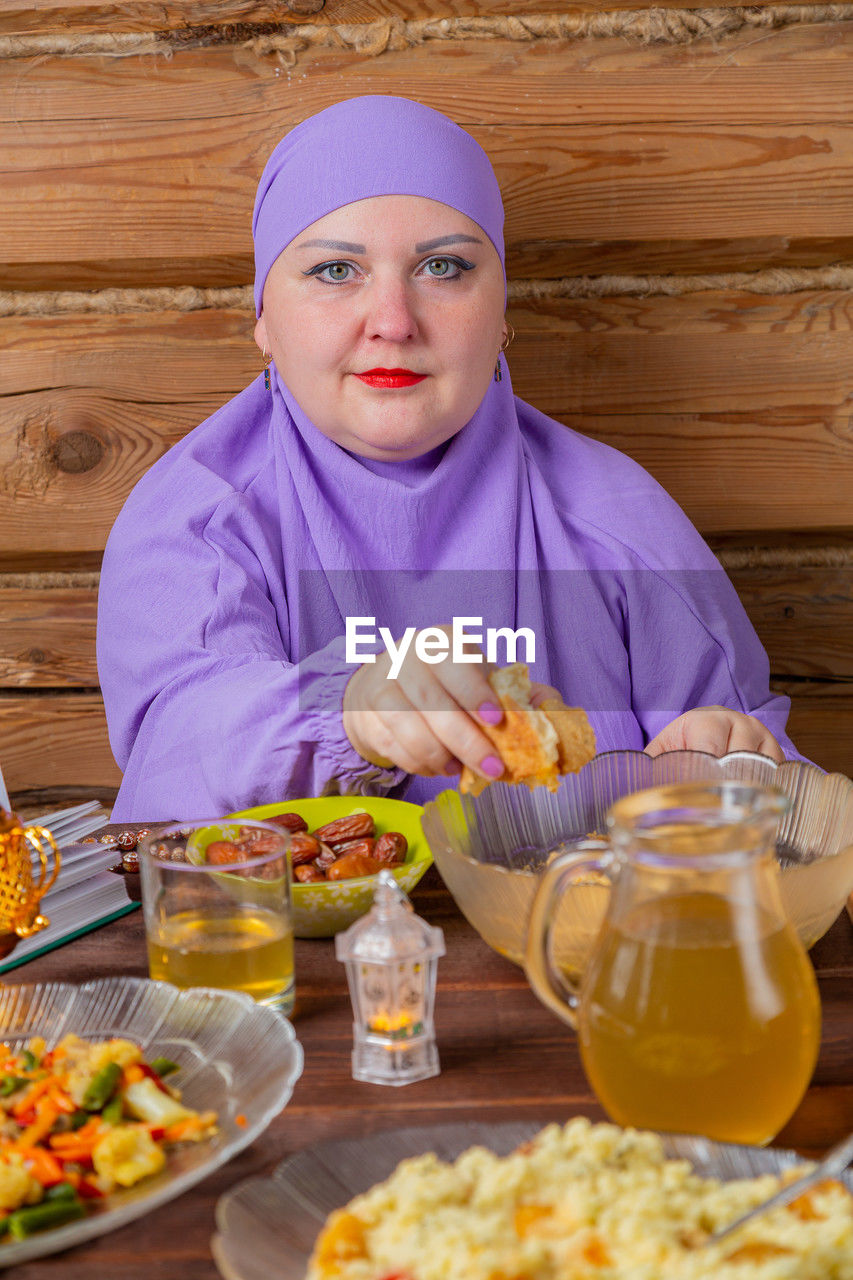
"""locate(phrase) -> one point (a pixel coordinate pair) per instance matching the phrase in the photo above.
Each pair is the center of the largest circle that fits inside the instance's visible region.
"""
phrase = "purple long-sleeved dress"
(236, 560)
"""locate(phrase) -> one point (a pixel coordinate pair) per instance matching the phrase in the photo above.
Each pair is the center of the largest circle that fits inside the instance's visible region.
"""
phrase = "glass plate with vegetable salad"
(118, 1094)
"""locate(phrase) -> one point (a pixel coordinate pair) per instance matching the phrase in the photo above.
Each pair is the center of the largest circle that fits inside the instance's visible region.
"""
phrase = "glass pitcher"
(698, 1009)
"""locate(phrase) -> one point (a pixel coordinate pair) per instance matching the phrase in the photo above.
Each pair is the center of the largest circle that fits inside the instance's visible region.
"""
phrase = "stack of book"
(86, 893)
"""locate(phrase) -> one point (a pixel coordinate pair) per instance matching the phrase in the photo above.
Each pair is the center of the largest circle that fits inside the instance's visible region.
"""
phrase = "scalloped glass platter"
(236, 1058)
(267, 1226)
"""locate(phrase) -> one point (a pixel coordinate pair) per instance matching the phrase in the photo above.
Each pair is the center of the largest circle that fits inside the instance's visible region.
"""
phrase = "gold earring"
(507, 339)
(267, 359)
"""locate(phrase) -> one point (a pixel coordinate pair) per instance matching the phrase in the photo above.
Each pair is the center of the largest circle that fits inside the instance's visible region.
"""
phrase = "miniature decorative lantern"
(391, 957)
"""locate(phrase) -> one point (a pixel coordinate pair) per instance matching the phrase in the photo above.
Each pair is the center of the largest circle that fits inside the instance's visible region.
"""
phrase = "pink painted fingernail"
(492, 766)
(490, 713)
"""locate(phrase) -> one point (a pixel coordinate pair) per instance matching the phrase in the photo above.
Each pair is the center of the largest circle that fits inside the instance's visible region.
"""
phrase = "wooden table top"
(503, 1056)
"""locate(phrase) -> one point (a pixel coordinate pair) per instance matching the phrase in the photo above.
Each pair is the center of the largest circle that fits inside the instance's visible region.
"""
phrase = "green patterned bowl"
(322, 910)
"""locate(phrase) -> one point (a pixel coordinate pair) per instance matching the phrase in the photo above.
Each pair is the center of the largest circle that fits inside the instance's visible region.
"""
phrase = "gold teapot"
(20, 890)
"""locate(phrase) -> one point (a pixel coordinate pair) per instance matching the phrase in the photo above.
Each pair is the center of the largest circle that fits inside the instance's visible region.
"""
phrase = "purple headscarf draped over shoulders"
(248, 545)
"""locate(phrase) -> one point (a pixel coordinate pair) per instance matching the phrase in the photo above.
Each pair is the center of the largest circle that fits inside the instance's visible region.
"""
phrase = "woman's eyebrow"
(343, 246)
(445, 240)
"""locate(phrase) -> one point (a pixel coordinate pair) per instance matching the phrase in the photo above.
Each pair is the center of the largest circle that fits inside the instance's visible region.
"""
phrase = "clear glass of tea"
(697, 1010)
(216, 896)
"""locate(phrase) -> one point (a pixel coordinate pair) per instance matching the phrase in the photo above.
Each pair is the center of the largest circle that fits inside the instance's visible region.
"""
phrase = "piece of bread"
(575, 736)
(536, 744)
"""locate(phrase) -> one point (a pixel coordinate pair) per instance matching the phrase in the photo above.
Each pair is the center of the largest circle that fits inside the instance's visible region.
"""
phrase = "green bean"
(113, 1111)
(11, 1084)
(101, 1087)
(30, 1060)
(164, 1066)
(77, 1119)
(26, 1222)
(60, 1191)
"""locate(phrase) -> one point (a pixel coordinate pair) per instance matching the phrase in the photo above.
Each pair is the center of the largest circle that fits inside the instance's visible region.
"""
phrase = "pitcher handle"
(36, 836)
(554, 988)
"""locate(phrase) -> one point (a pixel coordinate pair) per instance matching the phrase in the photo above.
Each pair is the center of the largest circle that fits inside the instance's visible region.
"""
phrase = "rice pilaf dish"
(578, 1202)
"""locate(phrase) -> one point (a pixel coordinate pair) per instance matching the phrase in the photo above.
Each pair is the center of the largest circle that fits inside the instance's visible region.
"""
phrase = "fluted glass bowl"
(490, 848)
(237, 1058)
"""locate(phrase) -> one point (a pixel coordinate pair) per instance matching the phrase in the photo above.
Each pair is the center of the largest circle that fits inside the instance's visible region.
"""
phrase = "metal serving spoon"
(834, 1163)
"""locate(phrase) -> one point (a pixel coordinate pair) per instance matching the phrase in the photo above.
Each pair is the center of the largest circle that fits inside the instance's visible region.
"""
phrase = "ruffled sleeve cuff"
(339, 769)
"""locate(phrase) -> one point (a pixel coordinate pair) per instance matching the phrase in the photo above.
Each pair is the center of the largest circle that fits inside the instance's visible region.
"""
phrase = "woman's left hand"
(716, 730)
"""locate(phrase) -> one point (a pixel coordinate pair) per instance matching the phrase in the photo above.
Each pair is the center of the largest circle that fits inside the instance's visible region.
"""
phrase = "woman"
(381, 474)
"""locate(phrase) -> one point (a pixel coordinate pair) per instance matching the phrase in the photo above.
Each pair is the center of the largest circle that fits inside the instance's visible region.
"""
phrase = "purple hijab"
(247, 546)
(374, 146)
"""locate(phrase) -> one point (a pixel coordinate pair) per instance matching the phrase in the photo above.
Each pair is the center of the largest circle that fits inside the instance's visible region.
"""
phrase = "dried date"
(361, 848)
(339, 850)
(248, 835)
(353, 826)
(261, 842)
(325, 857)
(290, 821)
(303, 848)
(222, 852)
(307, 873)
(350, 865)
(391, 848)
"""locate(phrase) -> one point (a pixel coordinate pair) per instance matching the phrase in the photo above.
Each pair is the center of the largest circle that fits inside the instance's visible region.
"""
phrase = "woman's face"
(385, 319)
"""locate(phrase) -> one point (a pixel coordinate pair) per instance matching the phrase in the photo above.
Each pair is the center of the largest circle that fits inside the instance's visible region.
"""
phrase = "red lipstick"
(388, 378)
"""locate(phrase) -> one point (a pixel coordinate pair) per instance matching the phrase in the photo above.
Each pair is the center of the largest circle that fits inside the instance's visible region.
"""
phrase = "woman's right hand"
(428, 720)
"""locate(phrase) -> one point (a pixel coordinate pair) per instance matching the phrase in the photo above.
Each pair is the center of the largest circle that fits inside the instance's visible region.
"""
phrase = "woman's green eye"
(331, 272)
(446, 268)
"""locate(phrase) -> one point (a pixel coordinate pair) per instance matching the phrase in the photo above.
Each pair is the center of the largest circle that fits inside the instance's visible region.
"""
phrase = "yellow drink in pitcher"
(695, 1020)
(240, 951)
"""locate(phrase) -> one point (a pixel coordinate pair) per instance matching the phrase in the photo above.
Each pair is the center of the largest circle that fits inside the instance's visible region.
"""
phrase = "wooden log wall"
(679, 192)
